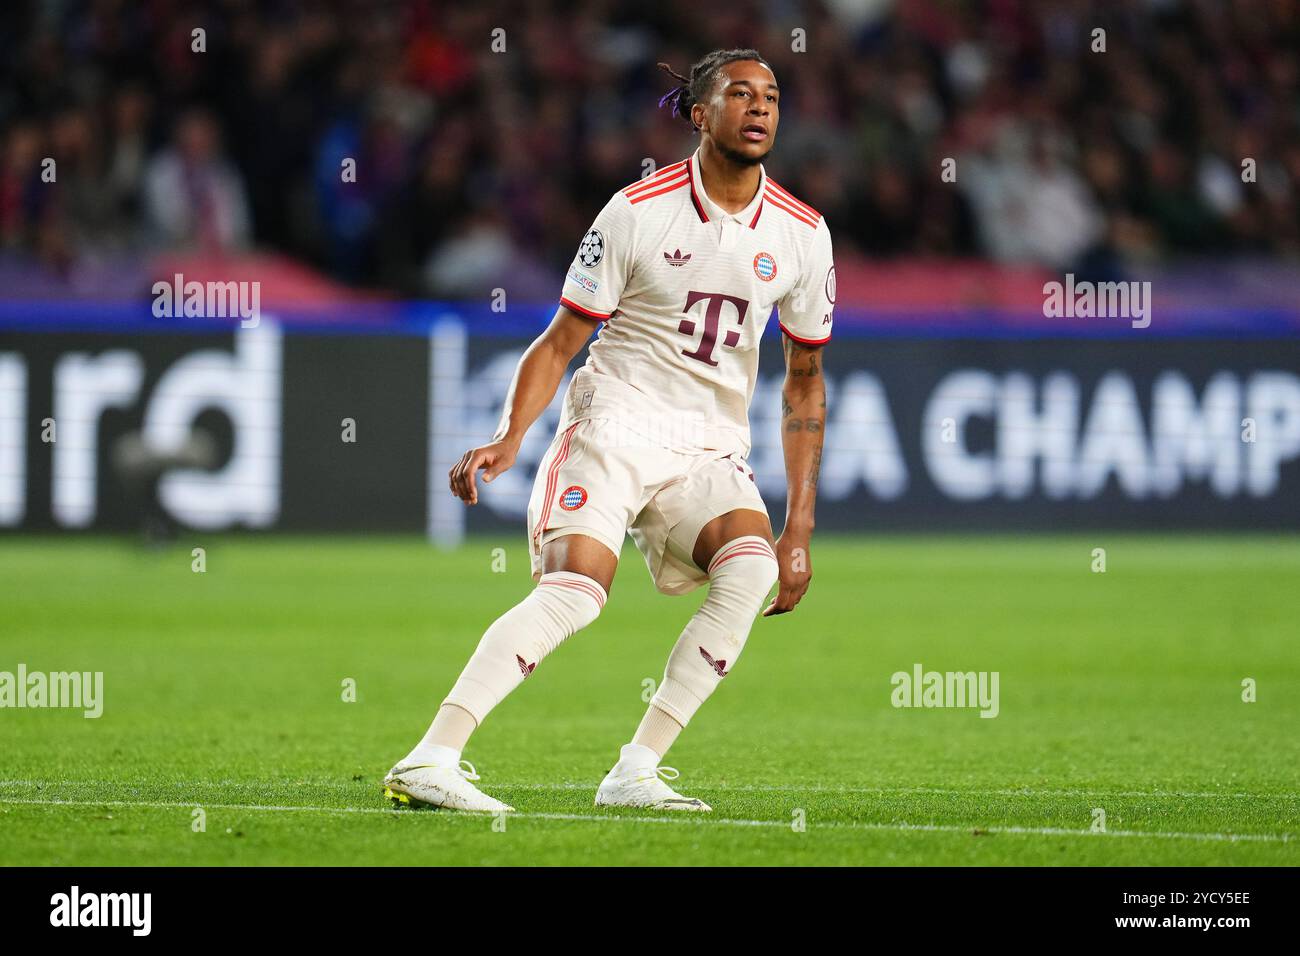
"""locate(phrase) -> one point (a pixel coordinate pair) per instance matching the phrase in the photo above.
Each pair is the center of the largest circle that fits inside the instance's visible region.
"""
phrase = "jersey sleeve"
(603, 264)
(806, 311)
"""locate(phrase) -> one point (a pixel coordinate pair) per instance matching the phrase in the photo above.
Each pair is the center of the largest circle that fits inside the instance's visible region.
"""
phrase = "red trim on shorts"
(552, 474)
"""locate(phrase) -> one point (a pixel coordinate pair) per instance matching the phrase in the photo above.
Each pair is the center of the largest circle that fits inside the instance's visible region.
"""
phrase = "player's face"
(742, 114)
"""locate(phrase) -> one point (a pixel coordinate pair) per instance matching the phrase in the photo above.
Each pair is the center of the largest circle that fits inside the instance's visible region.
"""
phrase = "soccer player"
(680, 271)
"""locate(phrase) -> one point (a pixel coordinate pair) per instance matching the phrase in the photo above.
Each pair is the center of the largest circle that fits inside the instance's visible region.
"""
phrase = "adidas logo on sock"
(718, 666)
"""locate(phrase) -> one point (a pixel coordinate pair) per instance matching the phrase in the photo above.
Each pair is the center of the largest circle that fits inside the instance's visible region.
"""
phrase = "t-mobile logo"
(712, 321)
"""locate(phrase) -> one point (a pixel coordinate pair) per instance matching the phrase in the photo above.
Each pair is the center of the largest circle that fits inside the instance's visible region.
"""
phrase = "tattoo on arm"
(811, 371)
(801, 360)
(804, 425)
(815, 472)
(798, 424)
(802, 368)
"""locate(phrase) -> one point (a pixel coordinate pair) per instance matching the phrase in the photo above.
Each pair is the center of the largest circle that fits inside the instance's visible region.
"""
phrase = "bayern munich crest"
(765, 266)
(592, 248)
(573, 497)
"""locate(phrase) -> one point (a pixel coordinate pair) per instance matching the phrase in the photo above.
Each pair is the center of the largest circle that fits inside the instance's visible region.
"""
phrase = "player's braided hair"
(693, 88)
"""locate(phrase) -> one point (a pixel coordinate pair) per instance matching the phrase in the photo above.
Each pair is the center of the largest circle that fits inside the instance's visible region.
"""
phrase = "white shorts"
(593, 481)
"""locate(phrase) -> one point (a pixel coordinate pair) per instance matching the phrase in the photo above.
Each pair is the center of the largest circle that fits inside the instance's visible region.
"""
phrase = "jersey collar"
(709, 211)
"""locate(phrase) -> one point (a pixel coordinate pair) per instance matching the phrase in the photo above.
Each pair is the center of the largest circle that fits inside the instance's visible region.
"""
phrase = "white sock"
(657, 731)
(637, 757)
(431, 755)
(563, 603)
(741, 575)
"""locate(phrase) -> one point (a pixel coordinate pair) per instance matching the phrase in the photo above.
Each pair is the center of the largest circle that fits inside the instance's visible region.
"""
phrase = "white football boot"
(640, 785)
(449, 787)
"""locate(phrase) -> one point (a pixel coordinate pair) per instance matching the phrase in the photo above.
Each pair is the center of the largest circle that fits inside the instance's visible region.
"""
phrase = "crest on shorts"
(592, 248)
(765, 266)
(573, 497)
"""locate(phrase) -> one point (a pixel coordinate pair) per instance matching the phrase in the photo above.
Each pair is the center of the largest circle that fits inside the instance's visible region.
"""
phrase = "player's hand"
(794, 557)
(493, 458)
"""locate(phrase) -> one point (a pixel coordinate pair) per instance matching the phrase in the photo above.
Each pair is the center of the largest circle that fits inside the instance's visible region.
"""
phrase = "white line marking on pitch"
(748, 788)
(938, 791)
(689, 821)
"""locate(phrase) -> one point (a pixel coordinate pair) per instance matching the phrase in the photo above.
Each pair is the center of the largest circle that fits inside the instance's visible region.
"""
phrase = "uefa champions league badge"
(765, 266)
(592, 248)
(573, 497)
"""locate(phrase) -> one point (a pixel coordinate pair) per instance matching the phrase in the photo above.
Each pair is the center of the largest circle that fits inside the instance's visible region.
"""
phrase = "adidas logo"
(526, 667)
(718, 666)
(677, 259)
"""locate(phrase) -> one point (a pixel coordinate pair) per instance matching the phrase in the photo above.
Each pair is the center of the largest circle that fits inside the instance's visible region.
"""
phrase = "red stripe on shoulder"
(642, 197)
(784, 206)
(792, 199)
(655, 179)
(570, 304)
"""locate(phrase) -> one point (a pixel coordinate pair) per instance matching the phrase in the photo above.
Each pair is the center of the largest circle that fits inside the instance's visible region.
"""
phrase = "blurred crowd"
(486, 135)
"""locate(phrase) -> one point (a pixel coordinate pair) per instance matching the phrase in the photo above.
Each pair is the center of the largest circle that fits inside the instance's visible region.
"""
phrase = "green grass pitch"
(1119, 691)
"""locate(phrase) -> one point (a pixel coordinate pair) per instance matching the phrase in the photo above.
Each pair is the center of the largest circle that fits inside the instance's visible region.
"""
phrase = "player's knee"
(741, 576)
(562, 604)
(745, 566)
(573, 600)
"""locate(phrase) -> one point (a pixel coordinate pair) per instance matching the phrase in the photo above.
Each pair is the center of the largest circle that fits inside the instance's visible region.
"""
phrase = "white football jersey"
(685, 291)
